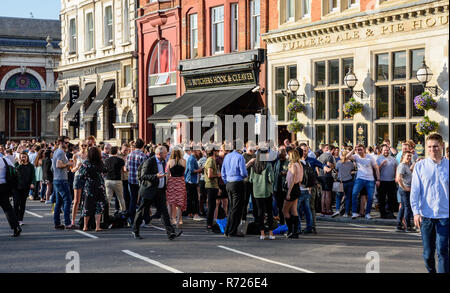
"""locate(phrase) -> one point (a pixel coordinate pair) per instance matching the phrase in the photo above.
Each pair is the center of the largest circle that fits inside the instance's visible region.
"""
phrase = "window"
(382, 102)
(126, 75)
(382, 64)
(320, 135)
(333, 72)
(193, 36)
(382, 133)
(320, 105)
(290, 10)
(416, 89)
(281, 106)
(399, 101)
(333, 104)
(292, 73)
(346, 64)
(333, 5)
(399, 134)
(280, 80)
(108, 25)
(282, 76)
(306, 8)
(234, 27)
(333, 134)
(399, 65)
(23, 119)
(417, 138)
(348, 134)
(126, 22)
(72, 36)
(89, 31)
(162, 65)
(255, 32)
(416, 61)
(217, 30)
(320, 73)
(352, 3)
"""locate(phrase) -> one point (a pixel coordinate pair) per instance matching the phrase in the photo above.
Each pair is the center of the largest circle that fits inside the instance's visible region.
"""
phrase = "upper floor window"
(193, 35)
(162, 61)
(72, 36)
(255, 33)
(234, 27)
(217, 20)
(126, 22)
(89, 31)
(290, 10)
(108, 40)
(306, 8)
(333, 5)
(126, 75)
(352, 3)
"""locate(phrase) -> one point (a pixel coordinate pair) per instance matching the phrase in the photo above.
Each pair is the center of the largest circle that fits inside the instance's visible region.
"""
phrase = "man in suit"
(152, 189)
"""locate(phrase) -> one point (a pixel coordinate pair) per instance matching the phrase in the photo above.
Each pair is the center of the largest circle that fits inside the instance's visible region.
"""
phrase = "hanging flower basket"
(426, 126)
(425, 102)
(295, 126)
(295, 106)
(352, 107)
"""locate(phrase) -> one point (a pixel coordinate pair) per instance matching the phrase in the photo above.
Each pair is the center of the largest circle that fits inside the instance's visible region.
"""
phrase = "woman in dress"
(38, 170)
(94, 189)
(294, 178)
(176, 187)
(78, 184)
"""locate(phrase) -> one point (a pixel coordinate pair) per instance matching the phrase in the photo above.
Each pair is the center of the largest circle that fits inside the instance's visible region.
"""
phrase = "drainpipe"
(136, 4)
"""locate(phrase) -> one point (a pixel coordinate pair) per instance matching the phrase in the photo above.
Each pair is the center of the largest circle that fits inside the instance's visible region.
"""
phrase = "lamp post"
(293, 86)
(350, 81)
(424, 75)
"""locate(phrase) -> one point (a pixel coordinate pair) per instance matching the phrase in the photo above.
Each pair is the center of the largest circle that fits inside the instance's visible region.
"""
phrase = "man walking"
(388, 188)
(233, 173)
(114, 166)
(153, 191)
(429, 203)
(191, 176)
(5, 194)
(60, 165)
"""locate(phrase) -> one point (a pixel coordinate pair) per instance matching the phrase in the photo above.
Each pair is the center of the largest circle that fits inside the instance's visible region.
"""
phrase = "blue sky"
(43, 9)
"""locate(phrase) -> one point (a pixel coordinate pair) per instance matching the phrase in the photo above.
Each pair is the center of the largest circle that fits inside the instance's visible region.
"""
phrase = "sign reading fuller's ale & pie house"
(219, 79)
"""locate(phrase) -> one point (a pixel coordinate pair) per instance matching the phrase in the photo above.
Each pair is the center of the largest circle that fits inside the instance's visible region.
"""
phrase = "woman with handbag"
(344, 185)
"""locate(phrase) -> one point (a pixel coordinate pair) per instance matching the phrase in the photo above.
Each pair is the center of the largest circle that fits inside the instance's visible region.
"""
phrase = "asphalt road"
(337, 248)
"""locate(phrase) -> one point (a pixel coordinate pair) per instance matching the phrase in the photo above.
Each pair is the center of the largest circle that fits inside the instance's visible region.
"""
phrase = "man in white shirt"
(430, 205)
(364, 178)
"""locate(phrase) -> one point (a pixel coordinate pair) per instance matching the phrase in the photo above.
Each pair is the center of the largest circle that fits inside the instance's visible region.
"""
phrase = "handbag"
(338, 186)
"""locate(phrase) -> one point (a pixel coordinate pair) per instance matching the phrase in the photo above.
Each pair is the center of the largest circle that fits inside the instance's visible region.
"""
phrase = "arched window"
(130, 117)
(23, 82)
(162, 58)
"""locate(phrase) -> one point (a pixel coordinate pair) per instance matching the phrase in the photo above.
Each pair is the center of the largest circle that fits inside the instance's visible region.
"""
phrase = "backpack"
(11, 178)
(309, 176)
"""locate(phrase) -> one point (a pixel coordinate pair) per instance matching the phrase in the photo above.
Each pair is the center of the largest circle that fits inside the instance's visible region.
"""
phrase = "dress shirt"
(160, 170)
(429, 189)
(134, 160)
(191, 167)
(233, 168)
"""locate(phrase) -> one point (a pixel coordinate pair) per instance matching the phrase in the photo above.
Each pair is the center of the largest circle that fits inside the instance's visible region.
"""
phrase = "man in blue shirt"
(191, 177)
(429, 203)
(233, 173)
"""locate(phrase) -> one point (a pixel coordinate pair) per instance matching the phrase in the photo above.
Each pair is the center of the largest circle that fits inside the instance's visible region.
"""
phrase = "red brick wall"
(316, 10)
(40, 70)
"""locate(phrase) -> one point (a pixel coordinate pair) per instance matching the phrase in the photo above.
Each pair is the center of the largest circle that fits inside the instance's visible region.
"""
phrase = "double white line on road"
(153, 262)
(264, 259)
(86, 234)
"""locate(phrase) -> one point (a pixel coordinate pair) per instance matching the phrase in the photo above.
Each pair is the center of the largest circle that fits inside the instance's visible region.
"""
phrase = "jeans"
(134, 189)
(358, 185)
(126, 194)
(303, 205)
(405, 211)
(43, 190)
(348, 188)
(435, 237)
(63, 197)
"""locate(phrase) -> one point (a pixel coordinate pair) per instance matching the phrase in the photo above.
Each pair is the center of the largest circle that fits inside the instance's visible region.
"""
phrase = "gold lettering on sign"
(430, 22)
(443, 20)
(400, 27)
(417, 24)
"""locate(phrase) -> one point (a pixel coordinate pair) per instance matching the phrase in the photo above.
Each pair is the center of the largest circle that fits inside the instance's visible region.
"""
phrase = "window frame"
(126, 21)
(255, 25)
(73, 36)
(108, 26)
(286, 76)
(89, 31)
(193, 30)
(214, 26)
(234, 26)
(30, 122)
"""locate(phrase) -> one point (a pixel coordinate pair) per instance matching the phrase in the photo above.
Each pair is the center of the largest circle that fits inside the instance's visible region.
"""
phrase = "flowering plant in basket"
(295, 126)
(352, 107)
(295, 106)
(425, 102)
(426, 126)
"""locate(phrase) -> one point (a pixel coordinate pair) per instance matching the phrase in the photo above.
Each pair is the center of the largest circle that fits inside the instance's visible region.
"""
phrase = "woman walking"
(39, 189)
(176, 187)
(261, 177)
(404, 178)
(47, 175)
(294, 178)
(344, 168)
(78, 184)
(26, 180)
(91, 172)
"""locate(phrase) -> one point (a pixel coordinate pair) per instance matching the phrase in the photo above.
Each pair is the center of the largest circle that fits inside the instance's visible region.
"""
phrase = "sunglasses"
(84, 145)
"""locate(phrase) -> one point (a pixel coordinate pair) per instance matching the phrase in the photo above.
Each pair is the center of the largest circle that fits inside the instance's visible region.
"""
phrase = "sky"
(42, 9)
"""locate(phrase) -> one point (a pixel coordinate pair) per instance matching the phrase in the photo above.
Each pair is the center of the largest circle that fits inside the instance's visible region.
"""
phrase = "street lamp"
(293, 86)
(424, 75)
(350, 81)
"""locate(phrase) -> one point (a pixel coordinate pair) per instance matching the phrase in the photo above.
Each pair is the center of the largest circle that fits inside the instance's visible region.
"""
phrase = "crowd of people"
(278, 185)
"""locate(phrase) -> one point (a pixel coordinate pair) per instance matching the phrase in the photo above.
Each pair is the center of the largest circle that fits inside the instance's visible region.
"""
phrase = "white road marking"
(34, 214)
(264, 259)
(162, 229)
(153, 262)
(86, 234)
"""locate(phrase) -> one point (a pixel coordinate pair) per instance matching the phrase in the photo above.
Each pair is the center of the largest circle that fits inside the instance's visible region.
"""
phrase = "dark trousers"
(159, 200)
(192, 198)
(405, 211)
(280, 196)
(6, 206)
(203, 197)
(134, 189)
(212, 196)
(20, 199)
(387, 193)
(236, 195)
(248, 195)
(36, 190)
(264, 206)
(126, 194)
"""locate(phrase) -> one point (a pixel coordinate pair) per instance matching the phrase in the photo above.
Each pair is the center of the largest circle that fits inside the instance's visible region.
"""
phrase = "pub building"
(384, 43)
(97, 71)
(220, 85)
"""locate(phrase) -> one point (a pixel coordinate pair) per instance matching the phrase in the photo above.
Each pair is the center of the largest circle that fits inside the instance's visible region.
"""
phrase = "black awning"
(29, 95)
(70, 116)
(55, 113)
(210, 102)
(98, 101)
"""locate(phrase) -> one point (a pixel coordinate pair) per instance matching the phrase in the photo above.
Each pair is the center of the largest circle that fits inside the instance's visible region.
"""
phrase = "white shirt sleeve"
(416, 191)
